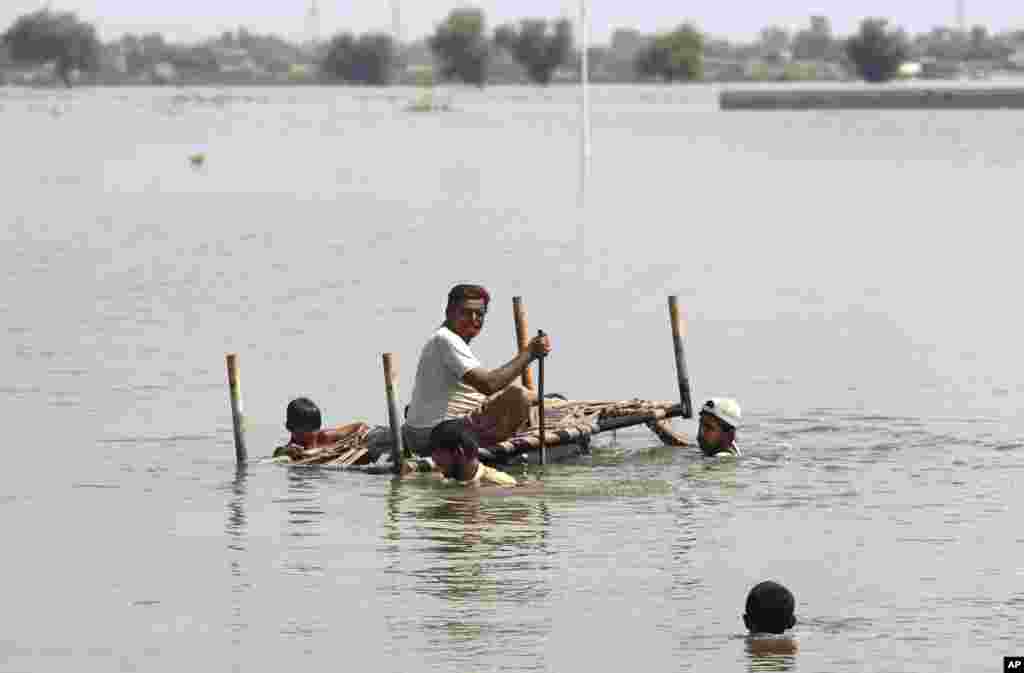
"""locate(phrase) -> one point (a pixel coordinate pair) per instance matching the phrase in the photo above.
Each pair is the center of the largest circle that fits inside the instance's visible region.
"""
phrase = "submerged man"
(452, 384)
(769, 614)
(716, 434)
(456, 452)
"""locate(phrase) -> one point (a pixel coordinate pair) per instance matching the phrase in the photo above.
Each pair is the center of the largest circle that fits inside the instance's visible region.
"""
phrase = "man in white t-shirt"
(451, 383)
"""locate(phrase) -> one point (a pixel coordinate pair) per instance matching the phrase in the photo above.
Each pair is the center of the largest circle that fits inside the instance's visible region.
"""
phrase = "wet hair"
(453, 435)
(457, 471)
(461, 293)
(303, 416)
(770, 608)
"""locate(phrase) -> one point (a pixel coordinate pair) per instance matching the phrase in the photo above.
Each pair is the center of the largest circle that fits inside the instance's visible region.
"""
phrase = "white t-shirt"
(439, 393)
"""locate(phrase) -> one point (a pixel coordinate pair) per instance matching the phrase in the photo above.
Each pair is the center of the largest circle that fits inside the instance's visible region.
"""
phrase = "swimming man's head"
(769, 608)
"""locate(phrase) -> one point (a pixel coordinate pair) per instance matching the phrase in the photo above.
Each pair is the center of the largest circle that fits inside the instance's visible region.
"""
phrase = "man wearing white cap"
(716, 434)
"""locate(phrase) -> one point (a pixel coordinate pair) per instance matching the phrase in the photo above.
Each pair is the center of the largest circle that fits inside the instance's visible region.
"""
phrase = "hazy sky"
(189, 20)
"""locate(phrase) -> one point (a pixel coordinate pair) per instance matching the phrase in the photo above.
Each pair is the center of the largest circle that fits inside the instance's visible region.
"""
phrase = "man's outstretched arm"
(496, 380)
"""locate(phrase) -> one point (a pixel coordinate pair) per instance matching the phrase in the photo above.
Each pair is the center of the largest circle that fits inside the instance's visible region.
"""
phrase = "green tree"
(134, 55)
(460, 45)
(193, 59)
(982, 45)
(979, 43)
(45, 36)
(154, 45)
(678, 55)
(943, 43)
(5, 61)
(814, 43)
(876, 50)
(617, 61)
(599, 60)
(270, 51)
(368, 59)
(627, 42)
(539, 50)
(775, 44)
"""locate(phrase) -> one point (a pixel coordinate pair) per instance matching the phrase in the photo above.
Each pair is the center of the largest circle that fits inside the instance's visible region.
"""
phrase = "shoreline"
(952, 96)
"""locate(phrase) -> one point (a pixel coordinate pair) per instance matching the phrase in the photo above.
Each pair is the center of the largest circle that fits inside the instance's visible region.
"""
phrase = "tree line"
(57, 37)
(463, 49)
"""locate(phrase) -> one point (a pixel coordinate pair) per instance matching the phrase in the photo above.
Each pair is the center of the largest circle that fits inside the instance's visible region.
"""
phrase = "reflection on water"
(236, 523)
(482, 561)
(477, 544)
(304, 522)
(686, 579)
(713, 479)
(236, 528)
(770, 656)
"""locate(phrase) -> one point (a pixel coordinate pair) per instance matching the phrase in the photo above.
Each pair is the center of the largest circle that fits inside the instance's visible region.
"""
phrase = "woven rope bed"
(566, 422)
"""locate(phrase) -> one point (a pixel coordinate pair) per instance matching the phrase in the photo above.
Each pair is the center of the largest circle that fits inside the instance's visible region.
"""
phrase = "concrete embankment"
(895, 98)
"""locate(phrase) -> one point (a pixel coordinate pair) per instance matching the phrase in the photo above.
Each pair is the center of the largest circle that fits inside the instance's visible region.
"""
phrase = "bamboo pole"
(560, 436)
(606, 424)
(237, 419)
(540, 401)
(519, 313)
(682, 376)
(390, 372)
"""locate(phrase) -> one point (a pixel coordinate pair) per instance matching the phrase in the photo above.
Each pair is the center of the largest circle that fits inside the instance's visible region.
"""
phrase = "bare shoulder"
(767, 645)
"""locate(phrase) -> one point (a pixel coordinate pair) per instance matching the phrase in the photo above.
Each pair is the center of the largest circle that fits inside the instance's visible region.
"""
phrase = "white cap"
(724, 409)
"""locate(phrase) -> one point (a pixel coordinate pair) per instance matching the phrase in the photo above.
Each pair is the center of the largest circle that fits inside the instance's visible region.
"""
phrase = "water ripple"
(156, 439)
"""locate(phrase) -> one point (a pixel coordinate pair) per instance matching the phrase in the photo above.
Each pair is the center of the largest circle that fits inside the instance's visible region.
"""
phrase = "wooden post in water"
(519, 313)
(237, 419)
(678, 330)
(540, 404)
(390, 373)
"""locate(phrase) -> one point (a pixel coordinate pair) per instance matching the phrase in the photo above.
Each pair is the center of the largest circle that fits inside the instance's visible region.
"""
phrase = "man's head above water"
(769, 608)
(302, 416)
(719, 418)
(455, 450)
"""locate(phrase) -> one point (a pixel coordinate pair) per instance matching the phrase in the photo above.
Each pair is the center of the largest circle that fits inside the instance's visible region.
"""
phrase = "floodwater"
(848, 276)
